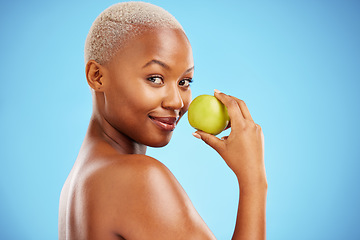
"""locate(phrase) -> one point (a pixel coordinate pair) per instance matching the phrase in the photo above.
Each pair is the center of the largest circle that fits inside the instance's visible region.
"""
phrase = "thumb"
(210, 140)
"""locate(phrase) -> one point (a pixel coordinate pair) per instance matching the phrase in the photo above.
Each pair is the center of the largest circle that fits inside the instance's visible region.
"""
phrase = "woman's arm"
(243, 151)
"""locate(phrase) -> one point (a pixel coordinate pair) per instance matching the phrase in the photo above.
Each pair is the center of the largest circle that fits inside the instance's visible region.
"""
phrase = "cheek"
(134, 94)
(146, 97)
(141, 99)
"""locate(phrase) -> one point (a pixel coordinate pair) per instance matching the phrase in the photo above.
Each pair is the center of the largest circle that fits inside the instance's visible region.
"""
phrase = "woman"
(139, 66)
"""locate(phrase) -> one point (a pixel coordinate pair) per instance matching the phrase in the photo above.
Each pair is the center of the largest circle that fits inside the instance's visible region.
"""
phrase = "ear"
(94, 75)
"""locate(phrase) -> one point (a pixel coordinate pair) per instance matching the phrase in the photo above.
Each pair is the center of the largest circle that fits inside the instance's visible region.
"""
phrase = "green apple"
(208, 114)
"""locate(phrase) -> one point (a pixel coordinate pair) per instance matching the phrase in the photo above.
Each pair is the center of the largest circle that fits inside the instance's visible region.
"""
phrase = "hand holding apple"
(243, 149)
(208, 114)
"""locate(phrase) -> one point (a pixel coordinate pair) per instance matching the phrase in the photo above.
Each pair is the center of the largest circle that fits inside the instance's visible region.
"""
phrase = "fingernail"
(217, 91)
(196, 135)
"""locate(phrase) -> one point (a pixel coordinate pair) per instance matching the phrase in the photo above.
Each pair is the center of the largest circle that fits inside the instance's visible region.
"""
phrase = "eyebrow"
(164, 65)
(154, 61)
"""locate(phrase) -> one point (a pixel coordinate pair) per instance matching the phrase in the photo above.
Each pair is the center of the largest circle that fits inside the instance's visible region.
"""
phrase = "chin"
(158, 143)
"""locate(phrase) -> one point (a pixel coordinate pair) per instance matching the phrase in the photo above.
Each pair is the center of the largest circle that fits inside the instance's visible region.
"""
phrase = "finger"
(210, 140)
(244, 109)
(231, 105)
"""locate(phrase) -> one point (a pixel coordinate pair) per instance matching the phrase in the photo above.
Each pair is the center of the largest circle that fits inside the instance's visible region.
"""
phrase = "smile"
(165, 123)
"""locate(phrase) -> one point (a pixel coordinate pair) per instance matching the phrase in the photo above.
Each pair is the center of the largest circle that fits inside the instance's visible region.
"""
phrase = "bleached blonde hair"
(121, 22)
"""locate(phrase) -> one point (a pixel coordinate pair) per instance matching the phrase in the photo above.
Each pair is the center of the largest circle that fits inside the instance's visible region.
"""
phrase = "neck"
(100, 128)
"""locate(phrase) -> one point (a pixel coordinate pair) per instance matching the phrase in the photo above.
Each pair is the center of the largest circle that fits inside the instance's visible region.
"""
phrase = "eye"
(185, 82)
(156, 80)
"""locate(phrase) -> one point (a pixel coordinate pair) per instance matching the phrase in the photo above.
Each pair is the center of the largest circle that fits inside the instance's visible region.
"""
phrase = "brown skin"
(114, 190)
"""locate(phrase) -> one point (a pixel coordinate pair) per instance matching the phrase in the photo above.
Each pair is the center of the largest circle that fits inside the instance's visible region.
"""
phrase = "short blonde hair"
(121, 22)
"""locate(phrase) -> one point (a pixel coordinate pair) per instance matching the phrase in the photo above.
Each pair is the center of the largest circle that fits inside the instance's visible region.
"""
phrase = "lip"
(165, 123)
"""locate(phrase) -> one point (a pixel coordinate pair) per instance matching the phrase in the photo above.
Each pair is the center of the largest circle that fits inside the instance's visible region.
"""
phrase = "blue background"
(295, 63)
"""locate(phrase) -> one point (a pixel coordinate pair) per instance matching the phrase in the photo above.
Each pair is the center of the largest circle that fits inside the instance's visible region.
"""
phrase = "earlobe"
(94, 75)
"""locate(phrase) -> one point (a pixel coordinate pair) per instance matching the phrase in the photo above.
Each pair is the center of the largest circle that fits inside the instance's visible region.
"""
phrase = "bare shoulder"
(137, 197)
(128, 170)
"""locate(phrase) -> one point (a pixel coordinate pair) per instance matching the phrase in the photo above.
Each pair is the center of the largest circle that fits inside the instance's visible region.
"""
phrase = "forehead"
(165, 44)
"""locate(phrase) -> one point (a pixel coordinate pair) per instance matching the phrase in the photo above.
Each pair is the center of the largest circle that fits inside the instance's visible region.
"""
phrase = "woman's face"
(148, 90)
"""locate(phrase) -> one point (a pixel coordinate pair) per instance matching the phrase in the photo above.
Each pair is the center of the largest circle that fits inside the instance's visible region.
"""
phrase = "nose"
(173, 99)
